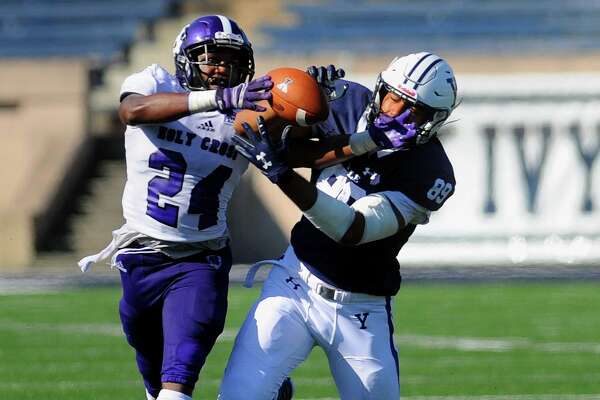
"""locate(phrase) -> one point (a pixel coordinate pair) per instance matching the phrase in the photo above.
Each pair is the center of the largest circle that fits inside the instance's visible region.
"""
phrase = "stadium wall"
(43, 134)
(525, 150)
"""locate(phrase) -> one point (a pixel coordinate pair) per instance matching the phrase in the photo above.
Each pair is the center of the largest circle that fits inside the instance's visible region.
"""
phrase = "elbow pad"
(380, 218)
(330, 216)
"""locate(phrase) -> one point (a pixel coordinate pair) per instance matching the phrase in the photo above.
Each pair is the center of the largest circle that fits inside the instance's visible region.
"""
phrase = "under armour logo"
(291, 280)
(215, 261)
(261, 158)
(373, 176)
(353, 176)
(362, 318)
(283, 86)
(374, 179)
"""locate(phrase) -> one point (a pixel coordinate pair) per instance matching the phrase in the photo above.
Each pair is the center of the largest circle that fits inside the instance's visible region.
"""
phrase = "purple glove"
(393, 133)
(245, 94)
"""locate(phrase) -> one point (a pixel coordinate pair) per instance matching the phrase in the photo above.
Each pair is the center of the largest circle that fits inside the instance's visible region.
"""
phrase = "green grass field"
(498, 342)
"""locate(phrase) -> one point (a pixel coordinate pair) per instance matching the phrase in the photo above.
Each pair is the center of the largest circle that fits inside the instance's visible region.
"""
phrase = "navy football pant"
(172, 312)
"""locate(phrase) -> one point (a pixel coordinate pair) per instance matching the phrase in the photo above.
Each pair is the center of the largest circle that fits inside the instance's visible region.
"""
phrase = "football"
(297, 100)
(273, 122)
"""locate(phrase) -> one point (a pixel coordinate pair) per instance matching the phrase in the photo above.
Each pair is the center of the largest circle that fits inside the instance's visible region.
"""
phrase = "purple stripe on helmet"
(415, 66)
(439, 60)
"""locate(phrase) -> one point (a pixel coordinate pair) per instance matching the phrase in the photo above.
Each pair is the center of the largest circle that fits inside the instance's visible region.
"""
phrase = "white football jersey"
(180, 174)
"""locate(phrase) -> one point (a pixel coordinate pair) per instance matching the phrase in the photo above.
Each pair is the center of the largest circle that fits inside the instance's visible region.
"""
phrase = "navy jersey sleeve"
(346, 110)
(424, 174)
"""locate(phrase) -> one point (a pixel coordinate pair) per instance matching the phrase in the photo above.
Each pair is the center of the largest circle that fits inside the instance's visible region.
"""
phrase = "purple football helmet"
(211, 34)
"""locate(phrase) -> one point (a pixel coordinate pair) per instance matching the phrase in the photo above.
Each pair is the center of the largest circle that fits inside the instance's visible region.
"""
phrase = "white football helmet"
(423, 79)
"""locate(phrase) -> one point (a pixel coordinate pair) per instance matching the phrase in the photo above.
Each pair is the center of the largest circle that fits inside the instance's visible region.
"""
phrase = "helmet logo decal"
(408, 91)
(283, 86)
(234, 37)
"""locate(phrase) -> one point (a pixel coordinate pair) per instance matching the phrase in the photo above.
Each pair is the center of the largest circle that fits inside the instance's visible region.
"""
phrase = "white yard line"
(493, 344)
(466, 344)
(90, 329)
(489, 397)
(509, 397)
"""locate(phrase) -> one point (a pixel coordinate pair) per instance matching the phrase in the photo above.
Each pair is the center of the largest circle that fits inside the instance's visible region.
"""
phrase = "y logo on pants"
(362, 318)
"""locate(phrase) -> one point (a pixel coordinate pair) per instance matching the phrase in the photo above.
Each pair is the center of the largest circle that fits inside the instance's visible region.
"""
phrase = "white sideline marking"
(493, 344)
(490, 397)
(510, 397)
(466, 344)
(92, 329)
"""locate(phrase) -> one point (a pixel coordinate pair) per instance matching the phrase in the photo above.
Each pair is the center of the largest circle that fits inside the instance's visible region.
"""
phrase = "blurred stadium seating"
(48, 51)
(115, 38)
(375, 27)
(98, 29)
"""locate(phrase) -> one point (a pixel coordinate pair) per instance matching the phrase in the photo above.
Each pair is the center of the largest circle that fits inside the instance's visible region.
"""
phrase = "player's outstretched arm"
(385, 133)
(322, 153)
(137, 109)
(375, 219)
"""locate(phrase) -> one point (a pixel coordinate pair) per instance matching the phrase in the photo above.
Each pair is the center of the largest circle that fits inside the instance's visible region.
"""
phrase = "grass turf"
(454, 340)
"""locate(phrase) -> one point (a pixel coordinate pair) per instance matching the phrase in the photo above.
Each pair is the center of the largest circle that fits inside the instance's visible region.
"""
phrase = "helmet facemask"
(434, 86)
(196, 58)
(209, 42)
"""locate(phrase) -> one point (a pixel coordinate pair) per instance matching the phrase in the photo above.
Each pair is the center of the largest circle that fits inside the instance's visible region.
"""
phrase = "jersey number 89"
(439, 191)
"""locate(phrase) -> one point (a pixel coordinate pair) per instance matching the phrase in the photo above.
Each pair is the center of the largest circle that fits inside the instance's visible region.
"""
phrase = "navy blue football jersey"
(424, 174)
(346, 110)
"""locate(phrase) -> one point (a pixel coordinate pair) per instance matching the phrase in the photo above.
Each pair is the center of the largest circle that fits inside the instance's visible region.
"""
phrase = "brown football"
(297, 100)
(274, 123)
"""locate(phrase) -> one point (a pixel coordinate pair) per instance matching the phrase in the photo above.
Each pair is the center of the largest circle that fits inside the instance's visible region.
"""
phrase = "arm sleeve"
(379, 211)
(412, 212)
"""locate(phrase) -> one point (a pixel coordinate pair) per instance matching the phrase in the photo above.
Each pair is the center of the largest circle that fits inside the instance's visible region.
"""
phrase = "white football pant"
(290, 318)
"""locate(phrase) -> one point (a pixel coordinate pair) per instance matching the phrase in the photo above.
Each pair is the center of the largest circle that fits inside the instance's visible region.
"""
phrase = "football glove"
(325, 75)
(244, 95)
(392, 132)
(260, 150)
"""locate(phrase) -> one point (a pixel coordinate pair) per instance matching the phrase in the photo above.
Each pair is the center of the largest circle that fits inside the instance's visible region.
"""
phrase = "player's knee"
(381, 385)
(238, 385)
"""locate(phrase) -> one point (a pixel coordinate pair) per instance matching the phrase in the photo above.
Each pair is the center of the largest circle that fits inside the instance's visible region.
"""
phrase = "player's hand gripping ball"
(297, 100)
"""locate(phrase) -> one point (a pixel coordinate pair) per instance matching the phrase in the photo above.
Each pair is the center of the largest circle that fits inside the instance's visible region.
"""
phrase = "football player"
(334, 285)
(182, 168)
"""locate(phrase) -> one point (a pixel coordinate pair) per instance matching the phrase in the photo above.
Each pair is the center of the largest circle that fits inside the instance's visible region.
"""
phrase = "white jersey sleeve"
(412, 212)
(150, 80)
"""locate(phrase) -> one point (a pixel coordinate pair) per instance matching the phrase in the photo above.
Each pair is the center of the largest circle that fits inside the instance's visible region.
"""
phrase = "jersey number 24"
(204, 199)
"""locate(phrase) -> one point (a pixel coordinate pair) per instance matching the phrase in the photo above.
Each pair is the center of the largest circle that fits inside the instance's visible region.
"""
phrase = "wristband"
(361, 143)
(202, 100)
